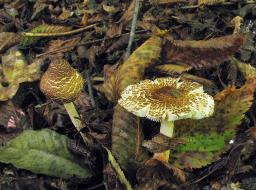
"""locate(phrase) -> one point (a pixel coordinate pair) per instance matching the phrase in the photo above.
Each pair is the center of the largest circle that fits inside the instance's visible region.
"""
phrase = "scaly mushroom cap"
(167, 99)
(61, 82)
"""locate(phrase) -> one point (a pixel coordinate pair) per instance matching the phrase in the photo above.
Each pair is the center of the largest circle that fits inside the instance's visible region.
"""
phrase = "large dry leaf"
(132, 70)
(203, 53)
(44, 152)
(126, 137)
(207, 138)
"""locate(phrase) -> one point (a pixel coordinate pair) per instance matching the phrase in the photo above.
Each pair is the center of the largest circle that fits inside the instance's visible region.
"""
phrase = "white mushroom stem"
(166, 128)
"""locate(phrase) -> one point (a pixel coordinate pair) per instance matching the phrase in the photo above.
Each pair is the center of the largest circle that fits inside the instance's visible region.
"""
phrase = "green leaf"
(43, 152)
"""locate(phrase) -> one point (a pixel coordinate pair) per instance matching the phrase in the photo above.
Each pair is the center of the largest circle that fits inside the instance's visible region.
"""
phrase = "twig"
(133, 28)
(31, 34)
(89, 85)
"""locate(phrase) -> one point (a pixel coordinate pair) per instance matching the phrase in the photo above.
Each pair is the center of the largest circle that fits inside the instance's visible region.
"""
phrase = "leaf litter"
(211, 42)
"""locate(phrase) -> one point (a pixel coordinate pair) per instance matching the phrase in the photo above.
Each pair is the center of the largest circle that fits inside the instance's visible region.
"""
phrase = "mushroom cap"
(167, 99)
(61, 82)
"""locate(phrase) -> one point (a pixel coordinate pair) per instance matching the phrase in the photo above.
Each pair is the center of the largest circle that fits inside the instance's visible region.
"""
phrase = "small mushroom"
(63, 84)
(167, 100)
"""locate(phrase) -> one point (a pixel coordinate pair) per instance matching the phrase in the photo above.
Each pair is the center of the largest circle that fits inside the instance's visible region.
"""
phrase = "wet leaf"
(43, 152)
(203, 53)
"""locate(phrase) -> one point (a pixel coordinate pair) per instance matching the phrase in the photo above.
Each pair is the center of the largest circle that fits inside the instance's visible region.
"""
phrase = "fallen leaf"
(58, 47)
(210, 2)
(8, 39)
(43, 28)
(15, 71)
(173, 69)
(44, 152)
(246, 69)
(135, 65)
(203, 53)
(206, 139)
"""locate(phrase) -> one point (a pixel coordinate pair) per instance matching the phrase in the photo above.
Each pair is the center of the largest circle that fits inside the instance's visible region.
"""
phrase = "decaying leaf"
(210, 2)
(15, 71)
(126, 137)
(203, 53)
(209, 137)
(8, 39)
(135, 65)
(44, 152)
(43, 28)
(246, 69)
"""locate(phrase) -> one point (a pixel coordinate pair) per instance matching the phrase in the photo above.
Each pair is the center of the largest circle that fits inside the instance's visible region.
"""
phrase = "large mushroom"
(167, 100)
(63, 84)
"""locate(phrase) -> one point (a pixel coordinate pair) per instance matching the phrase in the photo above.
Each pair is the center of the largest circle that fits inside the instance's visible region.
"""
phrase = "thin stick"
(31, 34)
(89, 85)
(133, 28)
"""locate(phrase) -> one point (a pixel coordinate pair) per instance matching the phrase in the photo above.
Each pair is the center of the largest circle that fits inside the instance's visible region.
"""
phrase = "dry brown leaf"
(85, 19)
(114, 30)
(203, 53)
(58, 47)
(65, 14)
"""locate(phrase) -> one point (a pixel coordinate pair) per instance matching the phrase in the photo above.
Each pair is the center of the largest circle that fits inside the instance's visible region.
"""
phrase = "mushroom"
(63, 84)
(167, 100)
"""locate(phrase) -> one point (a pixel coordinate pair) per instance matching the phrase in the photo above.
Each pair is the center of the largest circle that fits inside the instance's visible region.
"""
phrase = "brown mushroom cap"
(167, 99)
(61, 82)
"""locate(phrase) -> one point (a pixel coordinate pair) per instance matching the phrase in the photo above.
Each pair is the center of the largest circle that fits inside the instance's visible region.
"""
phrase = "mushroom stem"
(75, 118)
(166, 128)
